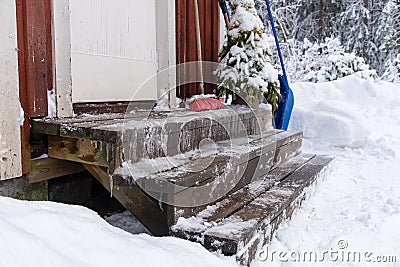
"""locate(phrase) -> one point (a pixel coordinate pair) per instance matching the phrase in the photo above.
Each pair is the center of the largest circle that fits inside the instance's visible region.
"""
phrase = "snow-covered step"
(138, 135)
(256, 212)
(192, 227)
(94, 126)
(231, 166)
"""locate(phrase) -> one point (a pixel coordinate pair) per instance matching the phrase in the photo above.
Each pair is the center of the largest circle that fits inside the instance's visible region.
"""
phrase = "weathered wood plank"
(90, 130)
(37, 61)
(186, 40)
(81, 150)
(248, 194)
(45, 169)
(289, 150)
(23, 90)
(217, 211)
(247, 254)
(257, 162)
(237, 231)
(247, 163)
(205, 170)
(184, 129)
(52, 126)
(145, 209)
(111, 107)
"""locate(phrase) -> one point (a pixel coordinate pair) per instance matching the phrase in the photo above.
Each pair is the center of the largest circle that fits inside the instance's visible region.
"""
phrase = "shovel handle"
(225, 12)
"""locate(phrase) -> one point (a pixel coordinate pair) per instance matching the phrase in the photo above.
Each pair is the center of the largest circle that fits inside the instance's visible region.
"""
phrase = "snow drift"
(358, 122)
(337, 112)
(49, 234)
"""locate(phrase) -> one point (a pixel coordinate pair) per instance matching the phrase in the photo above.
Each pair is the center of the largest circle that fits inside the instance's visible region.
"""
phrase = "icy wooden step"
(251, 226)
(235, 164)
(144, 134)
(194, 226)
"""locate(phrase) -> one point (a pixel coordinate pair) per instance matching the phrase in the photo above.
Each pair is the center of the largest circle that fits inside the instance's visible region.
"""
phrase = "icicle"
(111, 185)
(160, 203)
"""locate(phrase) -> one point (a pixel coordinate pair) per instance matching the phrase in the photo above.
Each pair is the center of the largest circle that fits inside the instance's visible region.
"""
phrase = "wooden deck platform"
(223, 178)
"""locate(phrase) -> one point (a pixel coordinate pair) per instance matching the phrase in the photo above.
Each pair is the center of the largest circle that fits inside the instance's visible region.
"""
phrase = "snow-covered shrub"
(245, 57)
(327, 61)
(397, 68)
(392, 73)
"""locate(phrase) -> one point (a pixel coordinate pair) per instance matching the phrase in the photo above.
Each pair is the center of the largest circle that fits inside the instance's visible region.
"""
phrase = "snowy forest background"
(324, 40)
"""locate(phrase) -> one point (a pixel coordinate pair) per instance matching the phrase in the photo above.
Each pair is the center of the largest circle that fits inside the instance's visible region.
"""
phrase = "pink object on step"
(206, 104)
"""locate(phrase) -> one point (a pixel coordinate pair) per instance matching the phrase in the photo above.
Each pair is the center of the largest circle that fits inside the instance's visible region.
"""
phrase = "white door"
(113, 46)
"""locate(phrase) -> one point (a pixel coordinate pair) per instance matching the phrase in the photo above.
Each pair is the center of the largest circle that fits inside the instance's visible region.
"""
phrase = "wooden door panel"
(35, 64)
(186, 48)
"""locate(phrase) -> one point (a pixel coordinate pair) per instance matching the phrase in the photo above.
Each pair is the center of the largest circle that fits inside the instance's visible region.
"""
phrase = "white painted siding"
(113, 45)
(10, 140)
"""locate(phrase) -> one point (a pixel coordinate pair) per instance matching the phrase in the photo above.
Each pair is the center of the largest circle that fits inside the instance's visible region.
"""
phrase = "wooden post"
(35, 64)
(134, 200)
(23, 90)
(34, 26)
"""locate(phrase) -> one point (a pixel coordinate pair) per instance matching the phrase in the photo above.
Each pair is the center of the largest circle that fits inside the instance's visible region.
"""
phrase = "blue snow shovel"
(286, 102)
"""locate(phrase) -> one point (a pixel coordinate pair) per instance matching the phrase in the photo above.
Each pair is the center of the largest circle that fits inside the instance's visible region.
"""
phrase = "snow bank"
(47, 234)
(337, 112)
(358, 203)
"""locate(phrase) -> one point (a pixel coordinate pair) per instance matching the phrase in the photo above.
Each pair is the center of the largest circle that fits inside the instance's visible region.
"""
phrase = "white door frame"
(166, 49)
(11, 115)
(62, 57)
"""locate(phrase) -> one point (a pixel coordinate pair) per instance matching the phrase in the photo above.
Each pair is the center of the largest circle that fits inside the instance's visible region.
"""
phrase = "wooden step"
(155, 134)
(247, 219)
(235, 164)
(234, 202)
(133, 154)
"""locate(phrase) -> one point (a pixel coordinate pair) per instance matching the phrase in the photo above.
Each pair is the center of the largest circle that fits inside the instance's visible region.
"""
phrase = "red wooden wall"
(186, 48)
(35, 64)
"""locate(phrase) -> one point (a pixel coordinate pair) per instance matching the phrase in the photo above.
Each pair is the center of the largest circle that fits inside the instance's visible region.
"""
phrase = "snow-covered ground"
(49, 235)
(357, 207)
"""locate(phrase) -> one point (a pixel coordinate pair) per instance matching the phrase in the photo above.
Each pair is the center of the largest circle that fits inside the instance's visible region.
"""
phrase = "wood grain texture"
(45, 169)
(37, 48)
(186, 41)
(146, 209)
(80, 150)
(239, 199)
(35, 64)
(264, 210)
(23, 90)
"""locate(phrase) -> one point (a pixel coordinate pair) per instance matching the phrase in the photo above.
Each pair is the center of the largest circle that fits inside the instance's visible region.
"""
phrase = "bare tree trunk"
(321, 20)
